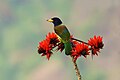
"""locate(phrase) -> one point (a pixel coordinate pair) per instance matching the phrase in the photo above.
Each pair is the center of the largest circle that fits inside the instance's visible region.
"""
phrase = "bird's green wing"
(63, 32)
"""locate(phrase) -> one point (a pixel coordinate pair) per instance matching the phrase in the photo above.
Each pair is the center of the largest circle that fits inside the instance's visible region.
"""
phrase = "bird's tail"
(68, 47)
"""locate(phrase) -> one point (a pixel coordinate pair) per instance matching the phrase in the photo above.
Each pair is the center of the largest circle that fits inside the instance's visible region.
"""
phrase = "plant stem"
(76, 69)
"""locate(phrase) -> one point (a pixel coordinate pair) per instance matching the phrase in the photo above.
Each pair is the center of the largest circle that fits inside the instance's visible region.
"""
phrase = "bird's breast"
(59, 29)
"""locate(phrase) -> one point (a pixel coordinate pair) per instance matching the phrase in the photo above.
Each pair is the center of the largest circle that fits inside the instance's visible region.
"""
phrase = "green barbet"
(63, 34)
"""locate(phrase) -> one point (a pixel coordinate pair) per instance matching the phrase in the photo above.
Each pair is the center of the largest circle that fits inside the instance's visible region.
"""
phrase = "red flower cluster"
(78, 47)
(48, 44)
(52, 39)
(96, 44)
(45, 48)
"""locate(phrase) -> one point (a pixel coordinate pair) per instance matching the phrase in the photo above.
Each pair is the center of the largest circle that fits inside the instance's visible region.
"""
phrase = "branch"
(80, 41)
(76, 69)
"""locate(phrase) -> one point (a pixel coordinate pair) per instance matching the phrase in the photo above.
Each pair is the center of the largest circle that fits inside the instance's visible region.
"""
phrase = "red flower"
(96, 44)
(80, 49)
(44, 48)
(52, 37)
(74, 43)
(48, 44)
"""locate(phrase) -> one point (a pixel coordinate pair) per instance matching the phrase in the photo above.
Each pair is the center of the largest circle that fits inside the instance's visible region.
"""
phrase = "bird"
(63, 33)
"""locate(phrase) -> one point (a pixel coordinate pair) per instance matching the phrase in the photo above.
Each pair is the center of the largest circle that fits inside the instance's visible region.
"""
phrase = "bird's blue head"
(56, 21)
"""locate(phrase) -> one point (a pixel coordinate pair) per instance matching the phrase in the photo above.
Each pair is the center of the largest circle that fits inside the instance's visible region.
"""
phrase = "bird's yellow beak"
(50, 20)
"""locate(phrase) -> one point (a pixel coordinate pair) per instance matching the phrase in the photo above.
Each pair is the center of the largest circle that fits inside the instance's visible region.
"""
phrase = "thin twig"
(79, 41)
(76, 69)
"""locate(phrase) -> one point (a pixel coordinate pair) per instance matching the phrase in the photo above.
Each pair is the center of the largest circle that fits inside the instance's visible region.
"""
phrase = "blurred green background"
(23, 24)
